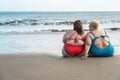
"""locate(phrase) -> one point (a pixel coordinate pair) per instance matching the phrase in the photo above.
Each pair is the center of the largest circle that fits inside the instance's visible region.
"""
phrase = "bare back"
(100, 42)
(70, 37)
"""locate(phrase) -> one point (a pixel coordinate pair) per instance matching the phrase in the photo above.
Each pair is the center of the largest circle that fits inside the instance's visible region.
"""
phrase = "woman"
(74, 40)
(97, 42)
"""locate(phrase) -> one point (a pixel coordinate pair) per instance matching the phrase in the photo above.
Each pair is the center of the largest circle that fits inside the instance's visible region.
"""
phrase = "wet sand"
(49, 67)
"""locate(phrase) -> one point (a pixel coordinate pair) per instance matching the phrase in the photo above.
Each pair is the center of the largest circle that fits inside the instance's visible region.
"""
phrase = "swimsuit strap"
(71, 35)
(76, 39)
(105, 33)
(101, 35)
(95, 37)
(92, 34)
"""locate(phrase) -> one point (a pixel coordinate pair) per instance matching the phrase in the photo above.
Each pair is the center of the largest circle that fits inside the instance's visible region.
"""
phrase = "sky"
(59, 5)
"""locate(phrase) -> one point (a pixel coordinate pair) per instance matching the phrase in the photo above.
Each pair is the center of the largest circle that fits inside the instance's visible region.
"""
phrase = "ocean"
(29, 31)
(35, 22)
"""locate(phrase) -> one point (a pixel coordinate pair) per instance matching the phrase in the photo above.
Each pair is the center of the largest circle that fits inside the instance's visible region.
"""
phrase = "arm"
(87, 45)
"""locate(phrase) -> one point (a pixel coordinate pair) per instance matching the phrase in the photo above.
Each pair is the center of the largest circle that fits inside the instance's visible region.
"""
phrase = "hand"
(84, 57)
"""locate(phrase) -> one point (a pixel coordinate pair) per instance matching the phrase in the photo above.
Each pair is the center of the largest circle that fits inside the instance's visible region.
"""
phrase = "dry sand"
(48, 67)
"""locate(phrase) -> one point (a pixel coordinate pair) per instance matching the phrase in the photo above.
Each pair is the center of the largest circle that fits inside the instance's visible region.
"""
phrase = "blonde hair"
(94, 24)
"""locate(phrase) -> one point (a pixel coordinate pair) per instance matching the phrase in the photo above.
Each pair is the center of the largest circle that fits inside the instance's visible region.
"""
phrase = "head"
(93, 25)
(78, 26)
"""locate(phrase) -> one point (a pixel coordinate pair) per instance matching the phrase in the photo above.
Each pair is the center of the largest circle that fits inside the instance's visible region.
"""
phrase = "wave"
(48, 30)
(50, 22)
(36, 22)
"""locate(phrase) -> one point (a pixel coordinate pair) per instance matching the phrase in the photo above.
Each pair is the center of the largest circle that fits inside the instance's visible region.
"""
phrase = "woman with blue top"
(97, 42)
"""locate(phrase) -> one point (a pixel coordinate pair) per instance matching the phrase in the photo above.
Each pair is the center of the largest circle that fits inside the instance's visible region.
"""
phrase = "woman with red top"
(74, 41)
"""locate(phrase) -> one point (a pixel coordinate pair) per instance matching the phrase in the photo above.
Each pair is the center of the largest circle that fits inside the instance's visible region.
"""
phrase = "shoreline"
(45, 42)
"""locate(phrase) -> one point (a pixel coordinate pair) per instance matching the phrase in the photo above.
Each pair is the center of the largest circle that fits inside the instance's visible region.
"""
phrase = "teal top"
(101, 52)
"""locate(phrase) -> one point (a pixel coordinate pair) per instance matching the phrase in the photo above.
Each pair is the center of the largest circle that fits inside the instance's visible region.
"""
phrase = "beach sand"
(49, 67)
(39, 57)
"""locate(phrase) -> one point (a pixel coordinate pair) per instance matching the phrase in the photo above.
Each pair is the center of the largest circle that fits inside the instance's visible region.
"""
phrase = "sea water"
(33, 31)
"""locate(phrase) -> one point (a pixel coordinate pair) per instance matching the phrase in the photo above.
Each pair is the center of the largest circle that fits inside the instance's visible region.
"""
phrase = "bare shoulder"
(69, 33)
(88, 34)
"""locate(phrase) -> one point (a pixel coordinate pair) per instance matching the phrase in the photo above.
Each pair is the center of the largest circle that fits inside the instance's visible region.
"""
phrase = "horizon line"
(60, 11)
